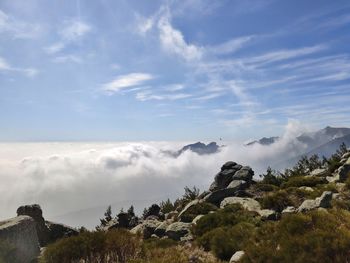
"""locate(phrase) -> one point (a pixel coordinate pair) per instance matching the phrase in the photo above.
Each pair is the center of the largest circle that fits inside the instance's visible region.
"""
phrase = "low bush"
(176, 254)
(7, 252)
(276, 201)
(224, 241)
(313, 237)
(229, 216)
(199, 209)
(112, 246)
(265, 187)
(297, 181)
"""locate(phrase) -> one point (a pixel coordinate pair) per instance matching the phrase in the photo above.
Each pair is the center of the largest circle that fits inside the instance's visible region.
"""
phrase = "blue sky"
(171, 70)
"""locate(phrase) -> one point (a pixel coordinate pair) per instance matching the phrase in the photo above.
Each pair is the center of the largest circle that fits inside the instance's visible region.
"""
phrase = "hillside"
(280, 218)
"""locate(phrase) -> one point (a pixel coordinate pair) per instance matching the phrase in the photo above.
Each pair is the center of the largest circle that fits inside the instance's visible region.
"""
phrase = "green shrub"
(314, 237)
(175, 254)
(153, 243)
(297, 181)
(276, 201)
(166, 206)
(272, 177)
(115, 245)
(265, 187)
(224, 241)
(229, 216)
(7, 252)
(198, 209)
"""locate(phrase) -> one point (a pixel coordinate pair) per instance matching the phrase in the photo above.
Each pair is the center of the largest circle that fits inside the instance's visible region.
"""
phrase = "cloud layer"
(65, 177)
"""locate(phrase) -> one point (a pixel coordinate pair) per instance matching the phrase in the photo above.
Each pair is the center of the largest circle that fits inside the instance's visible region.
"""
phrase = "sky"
(128, 70)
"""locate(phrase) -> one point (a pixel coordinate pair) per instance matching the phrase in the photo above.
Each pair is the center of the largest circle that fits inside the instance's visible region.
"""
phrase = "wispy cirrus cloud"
(126, 81)
(230, 46)
(71, 31)
(18, 28)
(173, 41)
(148, 95)
(5, 66)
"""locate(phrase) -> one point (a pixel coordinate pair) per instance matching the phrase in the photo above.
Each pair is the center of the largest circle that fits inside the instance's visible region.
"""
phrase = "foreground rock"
(324, 201)
(47, 231)
(21, 233)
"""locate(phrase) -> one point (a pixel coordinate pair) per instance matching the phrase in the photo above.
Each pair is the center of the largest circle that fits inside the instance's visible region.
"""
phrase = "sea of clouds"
(74, 182)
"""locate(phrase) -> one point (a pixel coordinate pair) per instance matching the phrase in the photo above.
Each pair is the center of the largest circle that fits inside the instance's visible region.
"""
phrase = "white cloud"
(30, 72)
(74, 30)
(5, 66)
(148, 95)
(144, 25)
(126, 81)
(55, 48)
(18, 28)
(230, 46)
(67, 58)
(173, 41)
(283, 55)
(65, 177)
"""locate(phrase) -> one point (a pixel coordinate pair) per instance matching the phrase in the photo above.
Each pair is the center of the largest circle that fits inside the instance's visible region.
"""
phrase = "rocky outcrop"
(232, 180)
(178, 230)
(247, 203)
(47, 231)
(324, 201)
(146, 228)
(20, 232)
(250, 205)
(35, 212)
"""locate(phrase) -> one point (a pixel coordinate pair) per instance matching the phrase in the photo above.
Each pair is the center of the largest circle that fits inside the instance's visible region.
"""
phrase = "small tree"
(166, 206)
(108, 216)
(272, 177)
(131, 212)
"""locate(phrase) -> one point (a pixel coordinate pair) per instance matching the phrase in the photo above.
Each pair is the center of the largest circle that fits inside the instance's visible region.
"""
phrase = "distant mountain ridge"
(323, 142)
(198, 147)
(264, 141)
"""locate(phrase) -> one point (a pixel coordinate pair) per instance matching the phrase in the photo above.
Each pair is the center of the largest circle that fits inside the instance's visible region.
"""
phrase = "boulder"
(238, 184)
(161, 228)
(21, 233)
(320, 172)
(323, 201)
(268, 214)
(228, 165)
(146, 228)
(35, 212)
(247, 203)
(195, 220)
(190, 205)
(344, 172)
(346, 155)
(217, 196)
(289, 209)
(332, 179)
(178, 230)
(225, 176)
(306, 188)
(237, 256)
(245, 173)
(172, 215)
